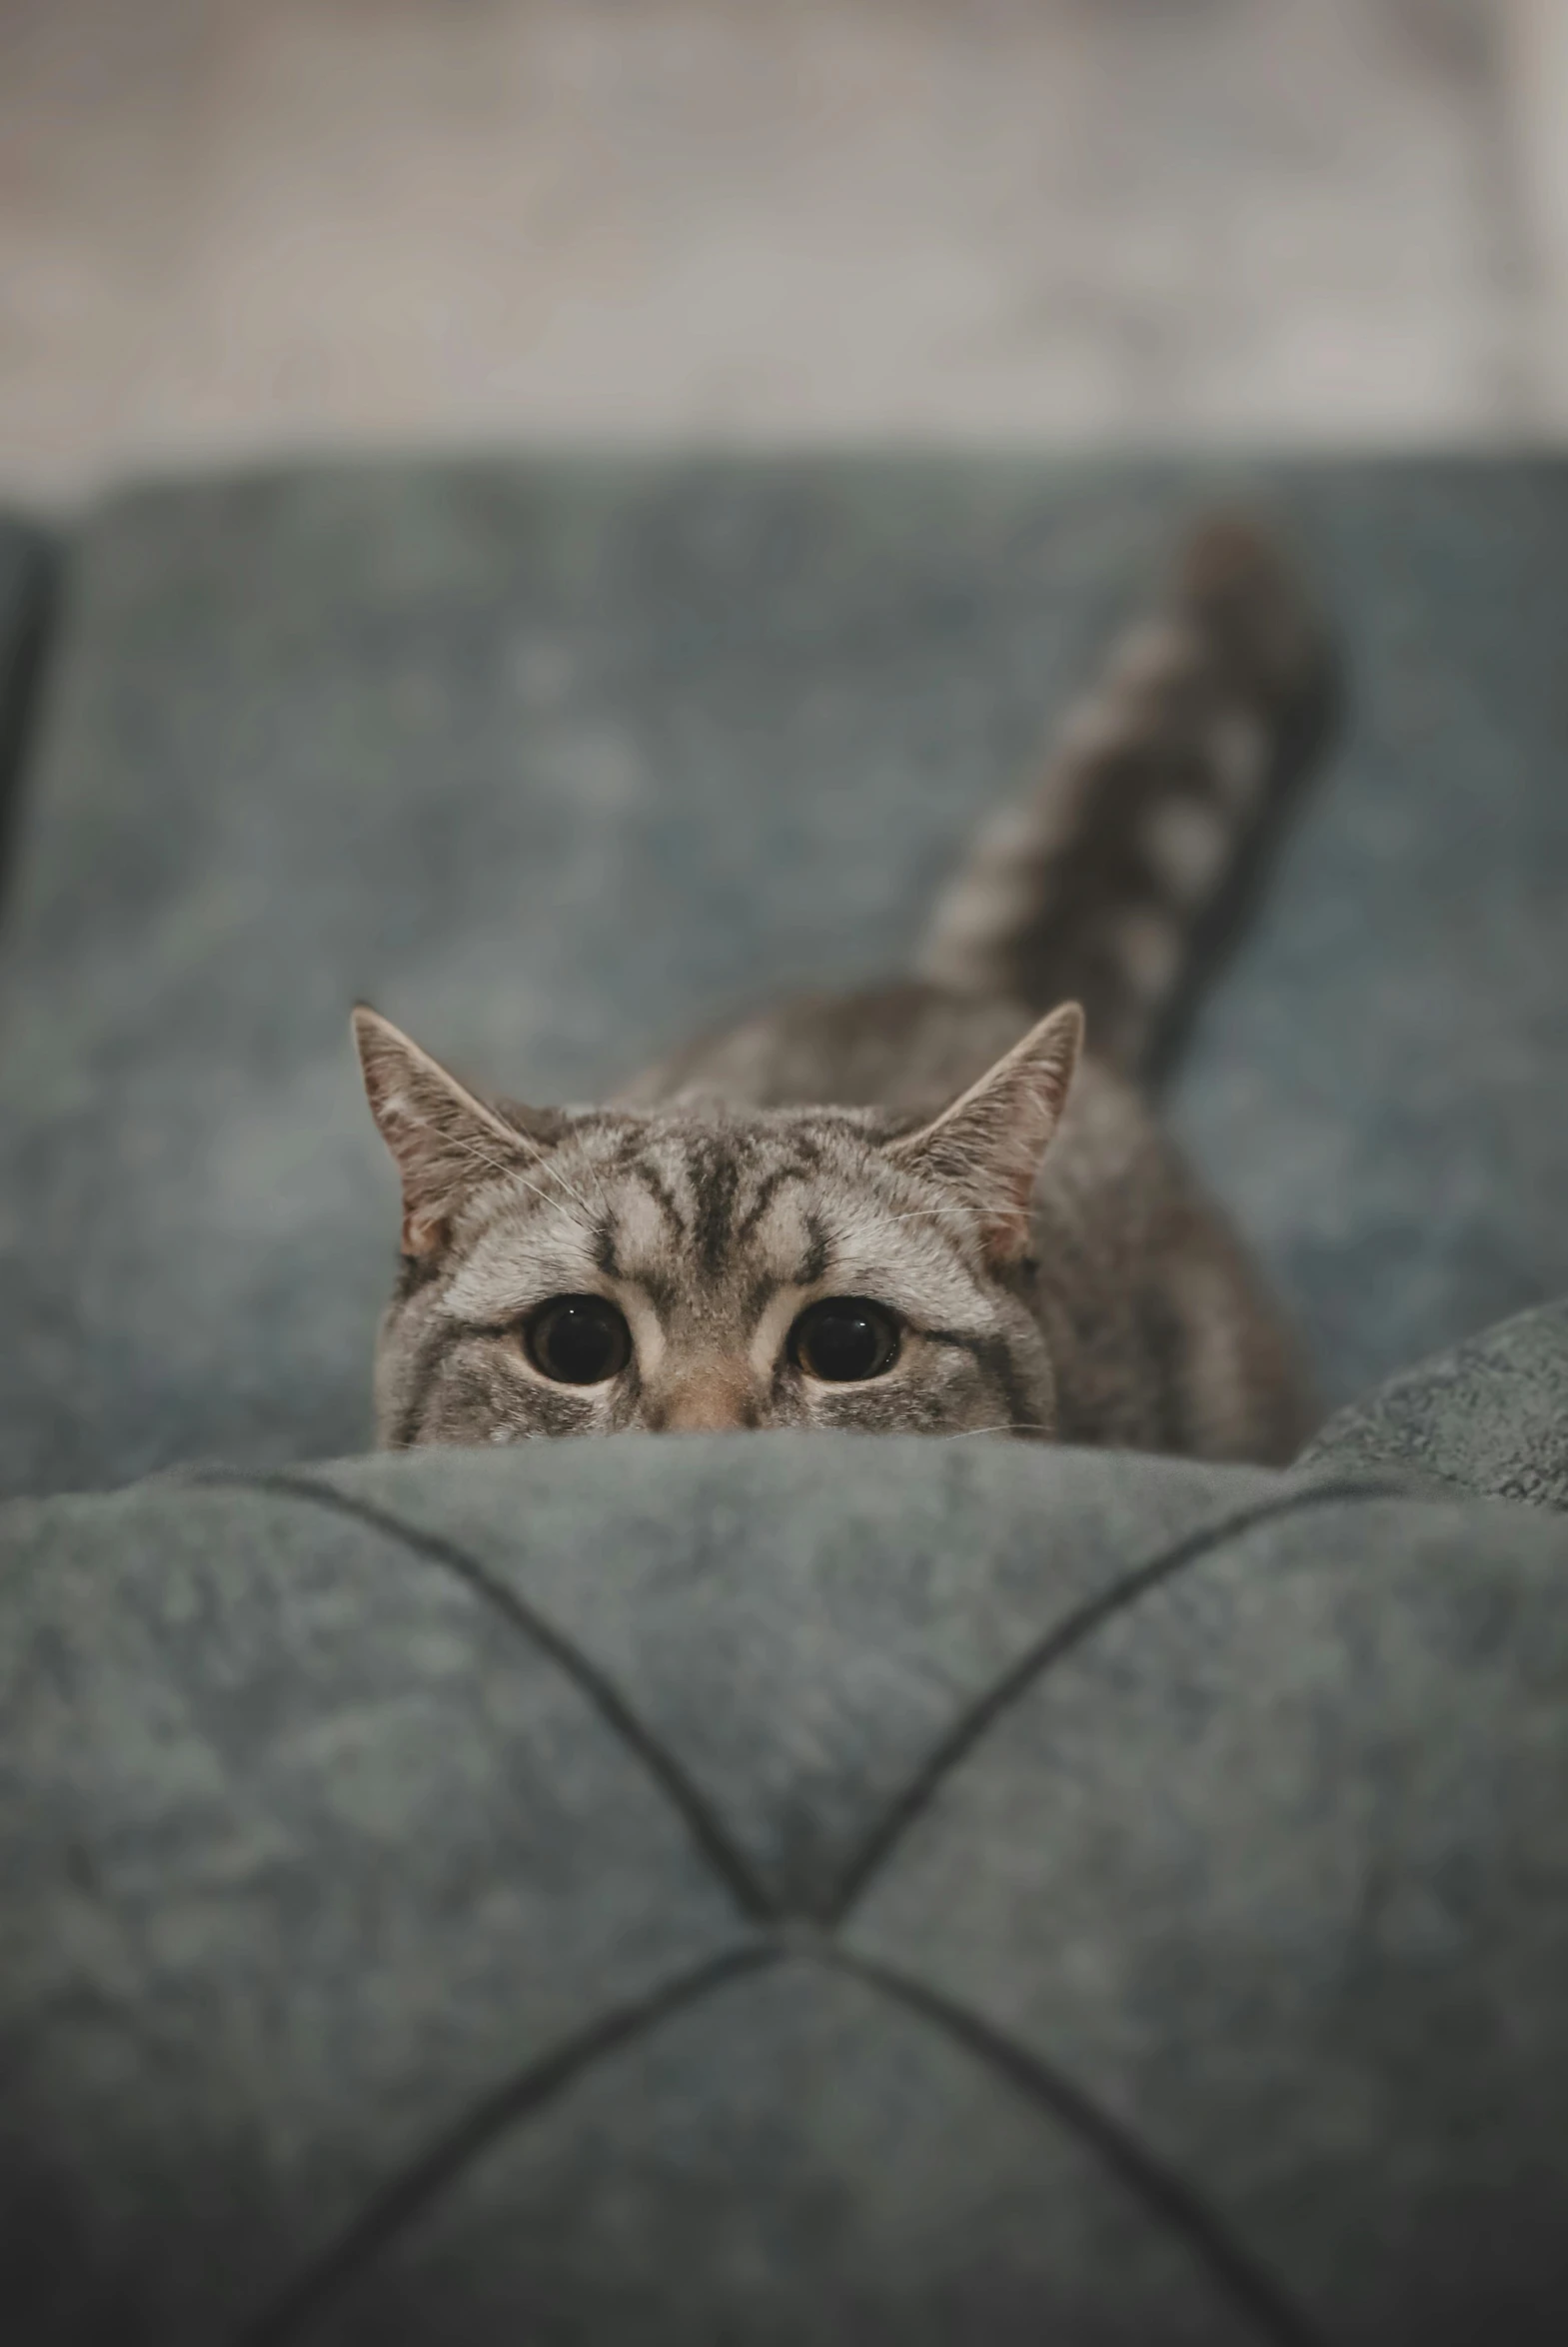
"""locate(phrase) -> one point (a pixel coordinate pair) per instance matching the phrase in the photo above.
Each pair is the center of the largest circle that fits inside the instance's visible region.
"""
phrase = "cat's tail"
(1114, 880)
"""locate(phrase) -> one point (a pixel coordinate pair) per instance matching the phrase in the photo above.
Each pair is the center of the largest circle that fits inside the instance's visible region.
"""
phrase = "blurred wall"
(240, 225)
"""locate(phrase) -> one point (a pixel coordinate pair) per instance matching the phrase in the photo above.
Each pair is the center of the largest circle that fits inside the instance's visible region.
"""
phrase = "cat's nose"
(710, 1402)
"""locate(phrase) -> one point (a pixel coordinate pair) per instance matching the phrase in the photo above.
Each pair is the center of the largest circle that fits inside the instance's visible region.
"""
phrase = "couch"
(752, 1889)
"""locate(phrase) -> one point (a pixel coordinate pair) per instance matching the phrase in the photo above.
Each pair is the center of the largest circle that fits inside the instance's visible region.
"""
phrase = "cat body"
(984, 1229)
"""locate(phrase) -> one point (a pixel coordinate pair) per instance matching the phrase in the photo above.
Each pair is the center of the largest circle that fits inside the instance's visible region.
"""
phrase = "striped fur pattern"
(997, 1205)
(1099, 884)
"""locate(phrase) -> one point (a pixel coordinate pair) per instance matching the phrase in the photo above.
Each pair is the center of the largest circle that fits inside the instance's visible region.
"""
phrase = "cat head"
(702, 1266)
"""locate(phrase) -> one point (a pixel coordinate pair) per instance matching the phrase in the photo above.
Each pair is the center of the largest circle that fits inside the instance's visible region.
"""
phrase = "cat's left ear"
(988, 1145)
(443, 1141)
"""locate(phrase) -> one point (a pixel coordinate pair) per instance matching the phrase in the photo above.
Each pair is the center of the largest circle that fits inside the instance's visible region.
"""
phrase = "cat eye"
(577, 1340)
(844, 1341)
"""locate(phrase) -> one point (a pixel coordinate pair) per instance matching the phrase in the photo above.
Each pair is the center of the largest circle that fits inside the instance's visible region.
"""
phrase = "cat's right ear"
(442, 1139)
(988, 1145)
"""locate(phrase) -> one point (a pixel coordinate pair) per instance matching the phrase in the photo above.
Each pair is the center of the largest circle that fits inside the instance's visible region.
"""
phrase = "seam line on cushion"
(1047, 1649)
(362, 2239)
(1162, 2191)
(724, 1860)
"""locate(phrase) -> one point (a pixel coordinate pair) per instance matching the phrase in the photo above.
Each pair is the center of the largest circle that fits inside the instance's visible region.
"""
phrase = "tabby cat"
(984, 1229)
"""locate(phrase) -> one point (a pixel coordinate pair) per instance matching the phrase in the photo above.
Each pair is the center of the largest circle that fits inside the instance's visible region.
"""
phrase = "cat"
(984, 1229)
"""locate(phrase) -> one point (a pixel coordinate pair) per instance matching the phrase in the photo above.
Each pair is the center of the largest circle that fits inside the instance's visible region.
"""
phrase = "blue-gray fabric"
(554, 762)
(1489, 1419)
(26, 580)
(778, 1889)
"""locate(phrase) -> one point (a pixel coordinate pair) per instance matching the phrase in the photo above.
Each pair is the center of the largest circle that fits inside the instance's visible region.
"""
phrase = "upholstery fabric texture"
(554, 761)
(1490, 1418)
(773, 1890)
(26, 585)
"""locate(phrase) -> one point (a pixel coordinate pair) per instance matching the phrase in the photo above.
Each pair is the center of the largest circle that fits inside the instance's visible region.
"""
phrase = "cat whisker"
(593, 1210)
(597, 1207)
(601, 1194)
(474, 1152)
(584, 1218)
(1011, 1427)
(477, 1155)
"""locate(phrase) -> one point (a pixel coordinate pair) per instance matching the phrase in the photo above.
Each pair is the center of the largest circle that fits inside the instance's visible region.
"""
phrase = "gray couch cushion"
(26, 583)
(1490, 1418)
(777, 1890)
(552, 762)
